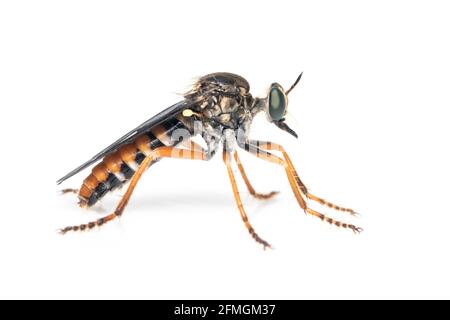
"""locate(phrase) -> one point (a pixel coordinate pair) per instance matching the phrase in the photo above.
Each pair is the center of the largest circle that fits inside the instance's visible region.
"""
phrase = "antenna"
(295, 83)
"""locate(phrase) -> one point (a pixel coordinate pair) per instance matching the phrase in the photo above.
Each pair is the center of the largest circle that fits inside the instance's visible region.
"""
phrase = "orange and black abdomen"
(118, 167)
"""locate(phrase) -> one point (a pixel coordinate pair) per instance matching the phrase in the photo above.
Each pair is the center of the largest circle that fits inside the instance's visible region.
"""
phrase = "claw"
(356, 230)
(63, 231)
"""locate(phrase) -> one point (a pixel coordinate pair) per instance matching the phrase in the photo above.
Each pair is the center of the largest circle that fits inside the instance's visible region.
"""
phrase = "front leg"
(253, 148)
(265, 145)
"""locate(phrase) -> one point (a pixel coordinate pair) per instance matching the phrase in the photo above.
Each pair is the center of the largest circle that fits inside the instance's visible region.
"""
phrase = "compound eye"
(277, 103)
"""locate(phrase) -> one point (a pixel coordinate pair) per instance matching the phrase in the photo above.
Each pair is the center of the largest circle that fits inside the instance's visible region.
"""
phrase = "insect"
(220, 109)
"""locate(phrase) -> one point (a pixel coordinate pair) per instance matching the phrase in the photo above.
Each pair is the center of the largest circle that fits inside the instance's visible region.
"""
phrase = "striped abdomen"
(118, 167)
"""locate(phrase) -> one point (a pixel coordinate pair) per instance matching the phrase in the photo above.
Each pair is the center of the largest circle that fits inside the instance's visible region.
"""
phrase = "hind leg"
(120, 207)
(69, 190)
(162, 152)
(74, 191)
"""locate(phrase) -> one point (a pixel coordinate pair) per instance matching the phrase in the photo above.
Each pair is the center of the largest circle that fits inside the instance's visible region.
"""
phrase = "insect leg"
(120, 207)
(262, 154)
(276, 147)
(227, 160)
(69, 190)
(162, 152)
(248, 184)
(196, 152)
(201, 155)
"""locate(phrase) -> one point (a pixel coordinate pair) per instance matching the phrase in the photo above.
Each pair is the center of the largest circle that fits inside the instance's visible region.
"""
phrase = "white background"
(371, 113)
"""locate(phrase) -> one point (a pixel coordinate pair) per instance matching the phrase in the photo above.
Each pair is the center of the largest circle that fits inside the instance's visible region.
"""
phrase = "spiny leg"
(248, 184)
(332, 221)
(162, 152)
(262, 154)
(69, 190)
(196, 152)
(273, 146)
(120, 207)
(314, 213)
(227, 161)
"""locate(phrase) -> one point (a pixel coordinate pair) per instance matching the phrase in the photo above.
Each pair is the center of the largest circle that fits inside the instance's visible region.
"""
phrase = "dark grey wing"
(157, 119)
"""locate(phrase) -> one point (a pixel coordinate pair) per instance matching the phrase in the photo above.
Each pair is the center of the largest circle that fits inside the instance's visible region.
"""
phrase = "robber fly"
(221, 109)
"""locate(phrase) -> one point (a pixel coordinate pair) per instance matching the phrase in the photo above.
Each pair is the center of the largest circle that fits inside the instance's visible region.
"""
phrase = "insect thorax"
(225, 101)
(224, 107)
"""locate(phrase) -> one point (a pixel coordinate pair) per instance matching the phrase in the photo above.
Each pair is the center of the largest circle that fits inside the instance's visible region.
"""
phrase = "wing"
(157, 119)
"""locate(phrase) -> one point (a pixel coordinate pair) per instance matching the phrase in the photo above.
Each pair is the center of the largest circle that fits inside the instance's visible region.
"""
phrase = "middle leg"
(227, 160)
(248, 184)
